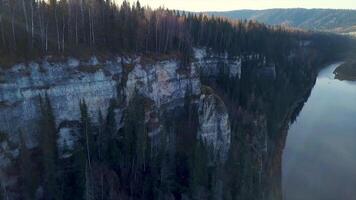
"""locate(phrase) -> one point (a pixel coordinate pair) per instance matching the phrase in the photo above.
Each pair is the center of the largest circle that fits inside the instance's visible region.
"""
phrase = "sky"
(224, 5)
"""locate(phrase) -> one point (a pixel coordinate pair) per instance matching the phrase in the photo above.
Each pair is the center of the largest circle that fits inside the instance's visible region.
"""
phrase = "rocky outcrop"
(163, 82)
(214, 123)
(164, 86)
(68, 81)
(211, 65)
(65, 83)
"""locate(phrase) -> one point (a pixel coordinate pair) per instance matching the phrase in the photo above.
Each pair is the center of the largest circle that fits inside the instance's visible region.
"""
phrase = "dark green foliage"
(180, 129)
(28, 176)
(49, 152)
(86, 138)
(85, 154)
(100, 136)
(1, 192)
(123, 159)
(200, 183)
(112, 143)
(135, 138)
(135, 147)
(346, 71)
(3, 137)
(29, 29)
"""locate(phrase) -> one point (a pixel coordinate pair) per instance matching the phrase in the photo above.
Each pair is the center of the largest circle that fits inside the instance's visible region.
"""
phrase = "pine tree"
(199, 181)
(86, 146)
(49, 150)
(33, 28)
(28, 179)
(100, 138)
(86, 132)
(2, 192)
(136, 146)
(111, 140)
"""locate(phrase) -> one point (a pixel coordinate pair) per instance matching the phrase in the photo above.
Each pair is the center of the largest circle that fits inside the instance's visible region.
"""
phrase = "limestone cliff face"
(165, 84)
(211, 65)
(214, 123)
(67, 82)
(162, 82)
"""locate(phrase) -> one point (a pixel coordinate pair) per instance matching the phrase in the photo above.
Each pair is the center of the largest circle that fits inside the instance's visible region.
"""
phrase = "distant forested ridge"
(341, 21)
(32, 28)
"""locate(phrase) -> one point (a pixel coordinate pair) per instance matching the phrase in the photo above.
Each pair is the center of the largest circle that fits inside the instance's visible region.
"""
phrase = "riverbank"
(346, 71)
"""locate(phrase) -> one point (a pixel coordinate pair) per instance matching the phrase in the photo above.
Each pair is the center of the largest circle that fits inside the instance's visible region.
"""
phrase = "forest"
(33, 28)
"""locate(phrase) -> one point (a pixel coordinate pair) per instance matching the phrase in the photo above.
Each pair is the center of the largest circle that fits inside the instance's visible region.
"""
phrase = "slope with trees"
(32, 28)
(340, 21)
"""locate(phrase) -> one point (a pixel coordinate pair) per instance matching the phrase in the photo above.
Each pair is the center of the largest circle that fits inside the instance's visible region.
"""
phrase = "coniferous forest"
(123, 163)
(31, 28)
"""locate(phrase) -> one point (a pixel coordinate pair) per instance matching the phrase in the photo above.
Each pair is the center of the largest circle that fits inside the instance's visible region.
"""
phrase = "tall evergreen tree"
(86, 132)
(28, 178)
(111, 140)
(31, 28)
(49, 150)
(199, 182)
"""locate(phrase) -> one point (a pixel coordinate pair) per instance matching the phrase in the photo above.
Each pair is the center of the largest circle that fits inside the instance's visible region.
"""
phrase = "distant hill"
(341, 21)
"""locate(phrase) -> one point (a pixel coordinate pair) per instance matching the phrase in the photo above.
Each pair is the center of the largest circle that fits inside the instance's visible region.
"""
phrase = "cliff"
(165, 83)
(244, 131)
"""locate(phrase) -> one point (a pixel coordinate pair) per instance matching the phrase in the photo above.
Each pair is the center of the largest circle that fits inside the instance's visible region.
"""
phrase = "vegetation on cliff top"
(30, 29)
(346, 71)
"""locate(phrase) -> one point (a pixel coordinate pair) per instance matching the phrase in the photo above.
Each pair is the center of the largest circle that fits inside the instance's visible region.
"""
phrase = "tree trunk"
(76, 29)
(2, 32)
(32, 25)
(13, 31)
(46, 37)
(25, 15)
(63, 33)
(57, 28)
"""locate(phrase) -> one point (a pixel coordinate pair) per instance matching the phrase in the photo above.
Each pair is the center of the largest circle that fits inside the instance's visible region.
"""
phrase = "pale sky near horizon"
(224, 5)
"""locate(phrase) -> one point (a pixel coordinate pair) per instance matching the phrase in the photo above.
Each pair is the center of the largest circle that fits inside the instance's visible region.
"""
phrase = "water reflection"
(319, 159)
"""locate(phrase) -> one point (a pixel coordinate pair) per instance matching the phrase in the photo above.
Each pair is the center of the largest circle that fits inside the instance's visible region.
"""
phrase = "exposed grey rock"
(67, 137)
(72, 62)
(215, 129)
(164, 83)
(8, 153)
(93, 61)
(212, 65)
(64, 85)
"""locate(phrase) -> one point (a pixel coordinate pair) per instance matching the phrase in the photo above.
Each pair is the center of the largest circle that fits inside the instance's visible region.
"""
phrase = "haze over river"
(319, 159)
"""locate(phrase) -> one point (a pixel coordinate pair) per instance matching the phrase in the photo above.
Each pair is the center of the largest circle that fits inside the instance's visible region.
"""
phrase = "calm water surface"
(319, 159)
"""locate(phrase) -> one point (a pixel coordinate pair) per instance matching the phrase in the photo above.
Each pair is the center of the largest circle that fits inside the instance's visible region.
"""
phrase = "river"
(319, 159)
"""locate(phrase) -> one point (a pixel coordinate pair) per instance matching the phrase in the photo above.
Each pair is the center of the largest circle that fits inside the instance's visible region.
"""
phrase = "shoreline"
(346, 71)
